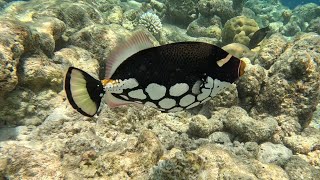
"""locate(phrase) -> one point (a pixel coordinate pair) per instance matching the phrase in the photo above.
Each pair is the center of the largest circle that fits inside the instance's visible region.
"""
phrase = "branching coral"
(151, 22)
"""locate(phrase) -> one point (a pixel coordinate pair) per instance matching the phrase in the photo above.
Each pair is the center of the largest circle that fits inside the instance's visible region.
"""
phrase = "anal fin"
(115, 102)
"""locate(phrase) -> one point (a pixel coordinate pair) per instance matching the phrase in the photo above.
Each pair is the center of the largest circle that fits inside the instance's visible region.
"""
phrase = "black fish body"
(170, 77)
(258, 36)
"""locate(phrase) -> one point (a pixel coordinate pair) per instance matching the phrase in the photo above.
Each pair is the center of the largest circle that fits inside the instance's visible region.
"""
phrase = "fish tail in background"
(83, 91)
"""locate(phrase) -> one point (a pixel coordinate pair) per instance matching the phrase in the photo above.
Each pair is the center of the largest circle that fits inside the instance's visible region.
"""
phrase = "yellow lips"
(104, 82)
(242, 68)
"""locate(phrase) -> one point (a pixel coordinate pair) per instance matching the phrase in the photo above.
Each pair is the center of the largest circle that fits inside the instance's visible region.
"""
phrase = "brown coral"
(239, 29)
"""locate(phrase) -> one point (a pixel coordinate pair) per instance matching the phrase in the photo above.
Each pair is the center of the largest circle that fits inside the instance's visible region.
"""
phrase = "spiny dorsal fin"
(139, 41)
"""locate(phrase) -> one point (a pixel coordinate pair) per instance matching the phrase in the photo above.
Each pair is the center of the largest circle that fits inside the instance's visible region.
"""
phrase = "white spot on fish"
(209, 83)
(196, 87)
(178, 89)
(205, 93)
(156, 91)
(219, 86)
(130, 83)
(167, 103)
(187, 100)
(138, 94)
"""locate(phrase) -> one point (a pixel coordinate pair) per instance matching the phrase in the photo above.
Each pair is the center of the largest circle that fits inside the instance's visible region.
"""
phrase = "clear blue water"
(294, 3)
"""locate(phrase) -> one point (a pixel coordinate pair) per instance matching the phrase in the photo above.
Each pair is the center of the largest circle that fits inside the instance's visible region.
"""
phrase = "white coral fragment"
(150, 21)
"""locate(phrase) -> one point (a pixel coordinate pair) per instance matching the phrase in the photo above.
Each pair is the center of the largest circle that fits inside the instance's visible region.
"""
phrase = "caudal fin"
(83, 91)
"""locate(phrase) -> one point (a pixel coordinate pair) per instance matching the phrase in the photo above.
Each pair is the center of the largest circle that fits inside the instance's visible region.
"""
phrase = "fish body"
(239, 50)
(170, 77)
(258, 36)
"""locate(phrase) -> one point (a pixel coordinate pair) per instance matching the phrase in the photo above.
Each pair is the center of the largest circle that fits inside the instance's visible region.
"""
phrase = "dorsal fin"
(137, 42)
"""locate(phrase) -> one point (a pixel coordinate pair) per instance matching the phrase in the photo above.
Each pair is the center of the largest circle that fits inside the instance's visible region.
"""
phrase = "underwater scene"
(159, 89)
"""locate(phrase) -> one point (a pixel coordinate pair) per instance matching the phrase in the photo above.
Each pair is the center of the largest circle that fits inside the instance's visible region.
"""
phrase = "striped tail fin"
(83, 91)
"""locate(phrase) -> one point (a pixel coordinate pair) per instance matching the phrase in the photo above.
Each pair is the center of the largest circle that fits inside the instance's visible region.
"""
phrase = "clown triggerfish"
(171, 77)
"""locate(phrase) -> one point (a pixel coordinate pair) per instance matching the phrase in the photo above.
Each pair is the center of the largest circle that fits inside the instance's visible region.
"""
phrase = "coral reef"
(12, 47)
(274, 153)
(302, 17)
(267, 11)
(181, 12)
(151, 22)
(285, 90)
(221, 8)
(270, 50)
(239, 30)
(205, 27)
(314, 26)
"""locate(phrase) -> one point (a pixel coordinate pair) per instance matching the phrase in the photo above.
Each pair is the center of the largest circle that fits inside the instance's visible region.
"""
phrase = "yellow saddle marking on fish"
(223, 61)
(104, 82)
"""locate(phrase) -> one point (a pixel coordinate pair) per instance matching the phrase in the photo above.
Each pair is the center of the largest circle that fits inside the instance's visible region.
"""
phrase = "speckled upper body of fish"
(170, 77)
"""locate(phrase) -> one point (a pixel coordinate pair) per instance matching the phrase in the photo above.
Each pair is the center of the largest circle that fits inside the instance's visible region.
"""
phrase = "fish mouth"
(242, 68)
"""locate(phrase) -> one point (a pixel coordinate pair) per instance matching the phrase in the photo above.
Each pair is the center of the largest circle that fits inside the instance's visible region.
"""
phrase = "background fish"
(258, 36)
(239, 50)
(170, 77)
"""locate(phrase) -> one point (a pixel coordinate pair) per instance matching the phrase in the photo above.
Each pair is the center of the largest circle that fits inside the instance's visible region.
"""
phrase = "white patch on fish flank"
(193, 105)
(187, 100)
(209, 83)
(167, 103)
(178, 89)
(219, 86)
(156, 91)
(137, 94)
(196, 87)
(205, 93)
(130, 83)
